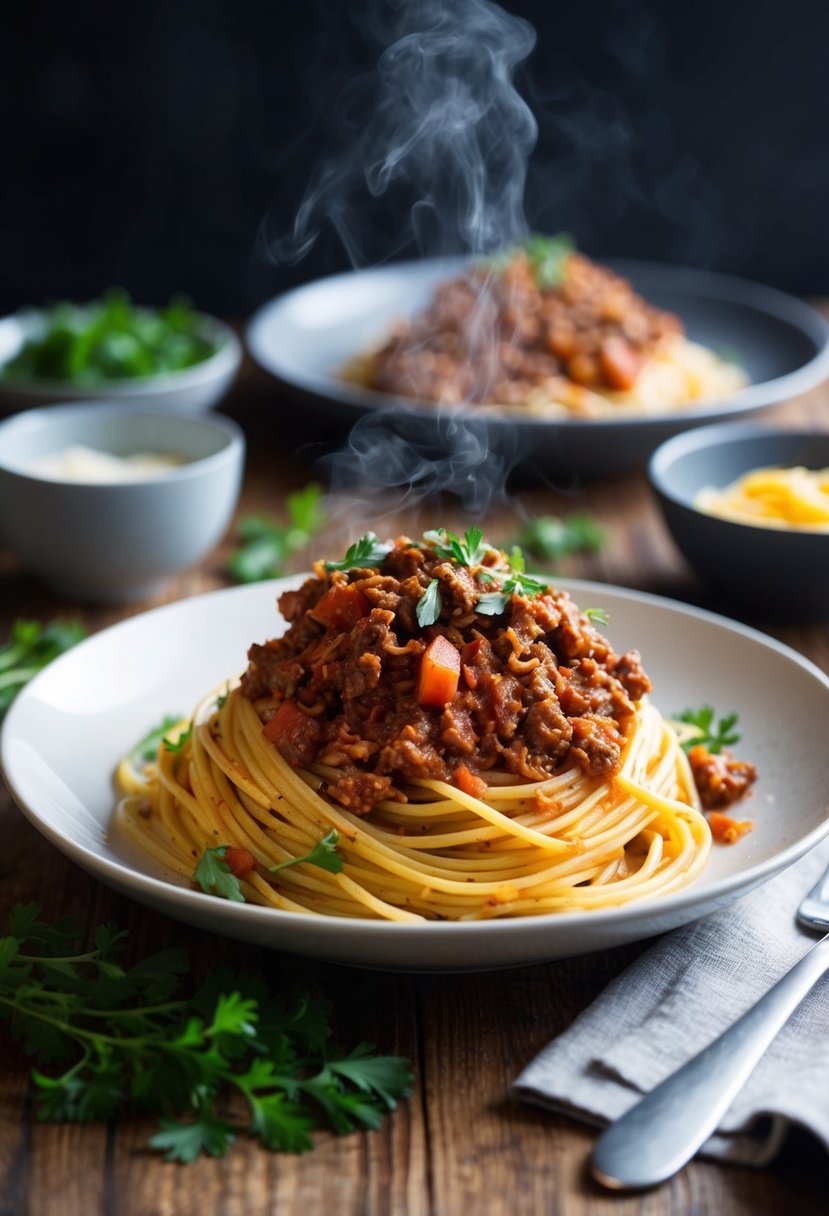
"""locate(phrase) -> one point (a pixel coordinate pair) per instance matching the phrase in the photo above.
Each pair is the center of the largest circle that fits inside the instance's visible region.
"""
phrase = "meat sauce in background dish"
(542, 327)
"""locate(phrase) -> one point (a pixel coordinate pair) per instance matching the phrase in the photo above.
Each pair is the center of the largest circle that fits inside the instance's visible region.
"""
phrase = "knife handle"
(662, 1132)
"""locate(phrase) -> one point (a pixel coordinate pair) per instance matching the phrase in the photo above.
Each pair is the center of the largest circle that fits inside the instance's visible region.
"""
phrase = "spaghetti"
(569, 843)
(470, 738)
(789, 498)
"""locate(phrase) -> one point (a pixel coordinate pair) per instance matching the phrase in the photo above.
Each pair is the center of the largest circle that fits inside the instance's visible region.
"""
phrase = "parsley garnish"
(553, 539)
(547, 256)
(324, 854)
(712, 736)
(429, 605)
(470, 551)
(268, 545)
(29, 648)
(123, 1042)
(178, 745)
(147, 749)
(365, 552)
(597, 615)
(215, 877)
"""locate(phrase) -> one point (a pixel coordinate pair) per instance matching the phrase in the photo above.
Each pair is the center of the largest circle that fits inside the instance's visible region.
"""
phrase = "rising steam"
(440, 125)
(440, 132)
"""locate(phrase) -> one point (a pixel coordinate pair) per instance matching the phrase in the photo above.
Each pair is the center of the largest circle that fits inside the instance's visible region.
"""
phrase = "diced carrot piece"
(241, 861)
(469, 782)
(440, 670)
(726, 830)
(621, 364)
(341, 608)
(286, 721)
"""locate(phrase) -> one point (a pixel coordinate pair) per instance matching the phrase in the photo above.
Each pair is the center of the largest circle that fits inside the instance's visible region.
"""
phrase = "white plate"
(67, 730)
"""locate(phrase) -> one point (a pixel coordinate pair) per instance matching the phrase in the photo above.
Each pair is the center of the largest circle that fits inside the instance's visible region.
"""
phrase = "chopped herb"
(29, 648)
(597, 615)
(147, 749)
(324, 854)
(110, 339)
(221, 700)
(365, 552)
(117, 1040)
(267, 545)
(215, 877)
(546, 254)
(178, 745)
(713, 736)
(470, 551)
(429, 605)
(553, 539)
(492, 603)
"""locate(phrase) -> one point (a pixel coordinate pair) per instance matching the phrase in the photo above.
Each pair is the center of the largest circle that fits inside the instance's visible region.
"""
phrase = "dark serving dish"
(304, 338)
(773, 572)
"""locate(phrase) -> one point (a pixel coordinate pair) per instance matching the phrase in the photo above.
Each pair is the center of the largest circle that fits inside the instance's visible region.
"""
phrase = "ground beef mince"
(526, 690)
(497, 333)
(721, 780)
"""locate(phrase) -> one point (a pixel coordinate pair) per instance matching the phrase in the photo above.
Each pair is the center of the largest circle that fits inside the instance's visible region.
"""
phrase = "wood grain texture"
(460, 1145)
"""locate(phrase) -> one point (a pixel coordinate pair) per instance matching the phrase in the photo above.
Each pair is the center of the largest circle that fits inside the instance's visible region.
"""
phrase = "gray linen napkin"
(677, 998)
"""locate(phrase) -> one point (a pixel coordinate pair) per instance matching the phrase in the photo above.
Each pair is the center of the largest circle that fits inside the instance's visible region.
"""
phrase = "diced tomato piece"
(341, 608)
(287, 720)
(621, 364)
(440, 670)
(469, 782)
(241, 861)
(726, 830)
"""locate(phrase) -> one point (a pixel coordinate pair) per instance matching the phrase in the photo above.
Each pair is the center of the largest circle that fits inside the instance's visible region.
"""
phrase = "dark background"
(147, 144)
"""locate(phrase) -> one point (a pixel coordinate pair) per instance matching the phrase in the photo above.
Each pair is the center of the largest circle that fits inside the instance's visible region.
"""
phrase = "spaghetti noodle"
(471, 739)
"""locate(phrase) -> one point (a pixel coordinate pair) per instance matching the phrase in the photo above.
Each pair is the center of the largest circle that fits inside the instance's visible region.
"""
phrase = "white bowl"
(117, 541)
(189, 391)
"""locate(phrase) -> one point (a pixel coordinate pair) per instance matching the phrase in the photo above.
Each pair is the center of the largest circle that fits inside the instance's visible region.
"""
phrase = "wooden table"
(460, 1145)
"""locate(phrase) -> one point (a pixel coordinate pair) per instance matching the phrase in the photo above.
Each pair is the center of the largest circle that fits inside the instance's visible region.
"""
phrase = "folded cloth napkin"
(677, 998)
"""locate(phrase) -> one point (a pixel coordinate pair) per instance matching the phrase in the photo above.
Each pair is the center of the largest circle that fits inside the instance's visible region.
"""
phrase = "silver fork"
(662, 1132)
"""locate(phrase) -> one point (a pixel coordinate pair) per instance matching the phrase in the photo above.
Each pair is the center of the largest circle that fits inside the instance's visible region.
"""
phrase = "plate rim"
(123, 875)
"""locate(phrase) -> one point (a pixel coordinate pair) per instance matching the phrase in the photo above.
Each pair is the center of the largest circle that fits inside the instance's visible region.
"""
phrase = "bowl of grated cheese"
(106, 503)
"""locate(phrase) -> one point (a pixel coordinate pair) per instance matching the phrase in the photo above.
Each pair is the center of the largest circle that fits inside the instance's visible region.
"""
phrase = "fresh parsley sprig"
(215, 876)
(517, 582)
(365, 552)
(267, 545)
(146, 749)
(597, 616)
(29, 648)
(429, 605)
(179, 744)
(117, 1039)
(713, 735)
(470, 551)
(550, 538)
(324, 854)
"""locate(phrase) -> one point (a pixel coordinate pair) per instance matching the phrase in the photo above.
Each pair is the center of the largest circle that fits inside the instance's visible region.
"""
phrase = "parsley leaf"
(146, 750)
(470, 551)
(324, 854)
(178, 745)
(597, 615)
(267, 545)
(548, 257)
(713, 736)
(365, 552)
(552, 538)
(429, 605)
(31, 646)
(119, 1040)
(215, 877)
(492, 603)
